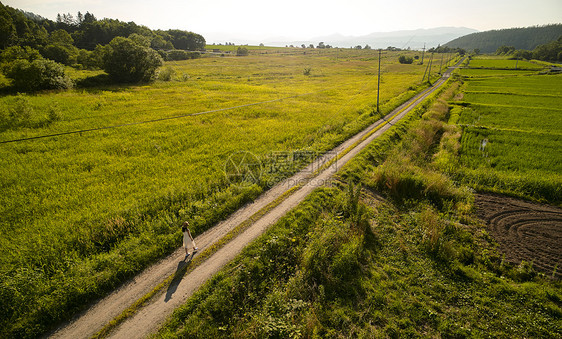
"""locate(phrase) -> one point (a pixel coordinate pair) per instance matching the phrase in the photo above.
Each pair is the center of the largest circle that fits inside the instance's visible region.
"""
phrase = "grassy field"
(511, 133)
(501, 63)
(348, 263)
(82, 212)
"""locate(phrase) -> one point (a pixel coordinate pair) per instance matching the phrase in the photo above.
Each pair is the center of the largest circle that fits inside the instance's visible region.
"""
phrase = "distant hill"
(521, 38)
(414, 39)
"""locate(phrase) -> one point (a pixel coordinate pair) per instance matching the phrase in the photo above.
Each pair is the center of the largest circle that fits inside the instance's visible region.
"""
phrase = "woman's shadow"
(180, 272)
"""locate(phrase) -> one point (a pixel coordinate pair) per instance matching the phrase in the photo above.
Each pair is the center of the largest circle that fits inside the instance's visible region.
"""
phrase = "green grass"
(347, 265)
(81, 213)
(525, 119)
(518, 117)
(502, 63)
(316, 275)
(509, 150)
(480, 73)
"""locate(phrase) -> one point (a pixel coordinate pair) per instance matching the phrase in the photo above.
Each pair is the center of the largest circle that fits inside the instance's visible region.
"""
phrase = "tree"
(37, 75)
(405, 60)
(186, 40)
(62, 54)
(161, 42)
(321, 45)
(61, 37)
(242, 51)
(89, 18)
(523, 54)
(505, 50)
(127, 62)
(60, 48)
(550, 51)
(140, 39)
(17, 52)
(8, 32)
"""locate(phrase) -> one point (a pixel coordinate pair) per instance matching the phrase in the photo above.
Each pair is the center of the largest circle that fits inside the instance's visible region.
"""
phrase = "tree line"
(33, 49)
(527, 38)
(551, 51)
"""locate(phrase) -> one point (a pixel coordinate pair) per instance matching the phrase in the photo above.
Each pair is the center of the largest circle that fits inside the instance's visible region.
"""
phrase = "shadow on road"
(180, 272)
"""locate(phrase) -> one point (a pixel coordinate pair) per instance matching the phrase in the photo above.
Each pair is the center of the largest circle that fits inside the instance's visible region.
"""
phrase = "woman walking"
(187, 237)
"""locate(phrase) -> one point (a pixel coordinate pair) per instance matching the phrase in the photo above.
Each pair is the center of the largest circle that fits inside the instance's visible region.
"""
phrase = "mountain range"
(414, 39)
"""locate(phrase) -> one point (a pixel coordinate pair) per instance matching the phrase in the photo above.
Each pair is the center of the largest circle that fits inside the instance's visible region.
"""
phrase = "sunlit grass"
(106, 203)
(512, 131)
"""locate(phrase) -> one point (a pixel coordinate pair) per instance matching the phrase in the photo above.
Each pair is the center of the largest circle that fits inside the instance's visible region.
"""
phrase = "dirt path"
(524, 231)
(150, 317)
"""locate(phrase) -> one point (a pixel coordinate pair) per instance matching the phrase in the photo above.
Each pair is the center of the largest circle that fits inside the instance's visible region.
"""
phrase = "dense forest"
(520, 38)
(34, 49)
(85, 30)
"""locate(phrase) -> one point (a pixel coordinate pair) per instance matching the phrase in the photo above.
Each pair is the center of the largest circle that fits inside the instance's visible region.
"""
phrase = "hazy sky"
(304, 19)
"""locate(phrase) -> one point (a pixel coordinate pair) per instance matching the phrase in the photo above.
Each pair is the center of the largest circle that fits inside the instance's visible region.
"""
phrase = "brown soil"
(524, 231)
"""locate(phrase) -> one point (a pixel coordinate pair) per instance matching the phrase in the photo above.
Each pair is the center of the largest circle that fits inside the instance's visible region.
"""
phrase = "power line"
(174, 117)
(157, 120)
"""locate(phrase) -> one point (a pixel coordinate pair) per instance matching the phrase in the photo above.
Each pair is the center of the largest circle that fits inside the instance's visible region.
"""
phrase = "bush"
(59, 53)
(166, 74)
(17, 52)
(176, 55)
(126, 61)
(21, 112)
(242, 51)
(37, 75)
(405, 60)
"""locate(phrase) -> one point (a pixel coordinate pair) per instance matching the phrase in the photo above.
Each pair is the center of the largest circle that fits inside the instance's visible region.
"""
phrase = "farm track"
(151, 316)
(524, 231)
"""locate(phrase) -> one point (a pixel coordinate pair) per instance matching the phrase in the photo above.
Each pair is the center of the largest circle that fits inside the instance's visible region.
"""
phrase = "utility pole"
(427, 68)
(429, 73)
(423, 52)
(379, 81)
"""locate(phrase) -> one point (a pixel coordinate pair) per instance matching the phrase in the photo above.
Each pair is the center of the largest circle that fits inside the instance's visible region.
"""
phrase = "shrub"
(126, 61)
(37, 75)
(53, 113)
(21, 112)
(405, 60)
(176, 55)
(59, 53)
(166, 74)
(242, 51)
(14, 53)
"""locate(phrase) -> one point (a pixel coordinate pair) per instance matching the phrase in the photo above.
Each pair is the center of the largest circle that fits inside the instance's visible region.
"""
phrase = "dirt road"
(150, 317)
